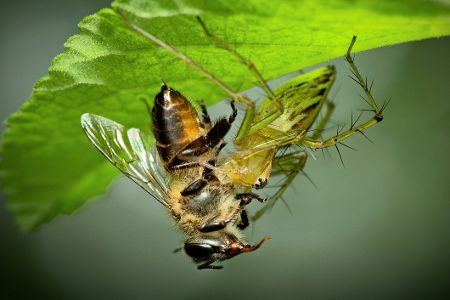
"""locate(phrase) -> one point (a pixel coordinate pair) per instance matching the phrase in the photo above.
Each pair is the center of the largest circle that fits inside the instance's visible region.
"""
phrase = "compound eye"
(196, 250)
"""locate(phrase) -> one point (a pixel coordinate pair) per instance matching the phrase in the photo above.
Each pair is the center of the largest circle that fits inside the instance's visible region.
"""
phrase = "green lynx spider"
(282, 120)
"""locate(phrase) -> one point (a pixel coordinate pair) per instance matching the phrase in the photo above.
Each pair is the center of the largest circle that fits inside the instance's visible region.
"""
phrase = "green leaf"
(49, 167)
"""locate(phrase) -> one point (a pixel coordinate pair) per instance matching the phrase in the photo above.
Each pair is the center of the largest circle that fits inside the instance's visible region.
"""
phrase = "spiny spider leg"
(222, 44)
(377, 117)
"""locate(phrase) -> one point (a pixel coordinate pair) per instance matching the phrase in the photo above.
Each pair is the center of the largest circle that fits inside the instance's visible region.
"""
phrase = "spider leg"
(377, 112)
(250, 105)
(252, 68)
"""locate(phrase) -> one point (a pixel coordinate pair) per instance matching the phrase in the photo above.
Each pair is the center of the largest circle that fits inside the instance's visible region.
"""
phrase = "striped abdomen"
(175, 122)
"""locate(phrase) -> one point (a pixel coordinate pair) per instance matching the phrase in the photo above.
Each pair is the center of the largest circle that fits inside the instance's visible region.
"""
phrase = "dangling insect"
(181, 174)
(204, 191)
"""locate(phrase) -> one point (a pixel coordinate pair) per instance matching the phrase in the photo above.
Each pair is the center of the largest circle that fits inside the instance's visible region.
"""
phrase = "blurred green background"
(378, 228)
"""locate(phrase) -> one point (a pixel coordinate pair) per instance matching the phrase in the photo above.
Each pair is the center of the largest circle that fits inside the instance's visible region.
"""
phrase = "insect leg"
(197, 185)
(207, 176)
(214, 224)
(250, 106)
(208, 265)
(263, 84)
(290, 165)
(246, 198)
(194, 187)
(377, 117)
(203, 144)
(206, 120)
(244, 220)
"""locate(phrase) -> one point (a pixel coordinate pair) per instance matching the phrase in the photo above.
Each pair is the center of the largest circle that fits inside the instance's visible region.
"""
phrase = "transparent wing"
(129, 152)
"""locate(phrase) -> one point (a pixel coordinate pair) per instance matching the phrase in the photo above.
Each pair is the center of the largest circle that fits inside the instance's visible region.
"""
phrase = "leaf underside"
(49, 168)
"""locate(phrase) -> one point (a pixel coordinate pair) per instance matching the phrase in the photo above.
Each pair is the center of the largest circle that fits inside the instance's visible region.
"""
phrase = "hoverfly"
(204, 191)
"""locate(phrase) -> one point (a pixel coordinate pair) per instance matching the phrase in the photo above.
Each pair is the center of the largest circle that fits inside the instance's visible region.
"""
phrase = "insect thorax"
(216, 200)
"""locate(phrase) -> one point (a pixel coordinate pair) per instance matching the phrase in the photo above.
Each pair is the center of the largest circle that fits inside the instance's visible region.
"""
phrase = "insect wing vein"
(146, 165)
(126, 151)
